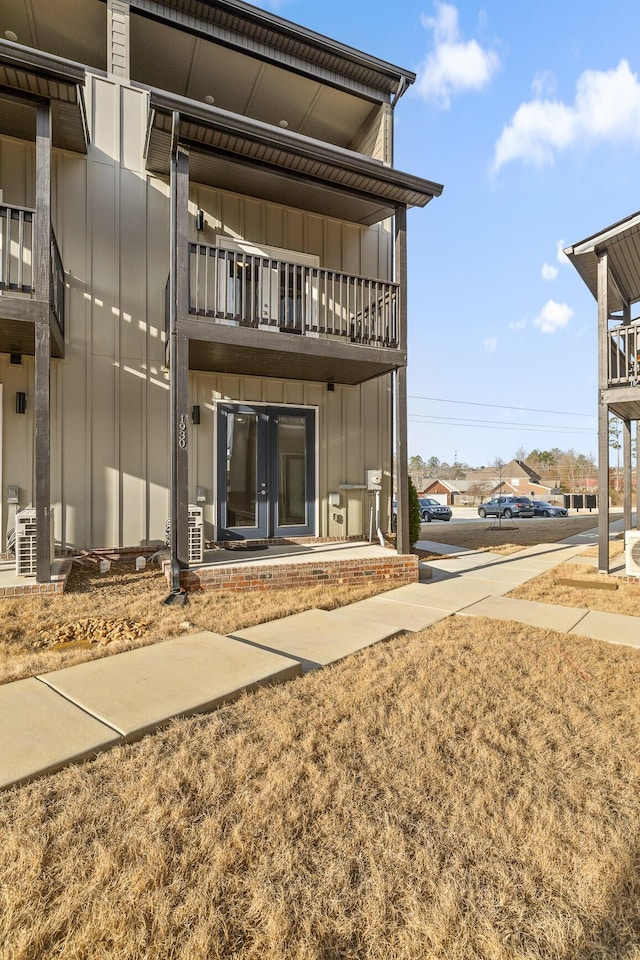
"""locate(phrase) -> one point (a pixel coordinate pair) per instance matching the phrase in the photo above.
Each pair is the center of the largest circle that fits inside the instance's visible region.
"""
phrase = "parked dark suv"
(506, 507)
(430, 510)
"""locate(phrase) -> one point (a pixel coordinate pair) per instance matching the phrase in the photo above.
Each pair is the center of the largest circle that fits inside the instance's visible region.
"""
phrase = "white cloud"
(454, 64)
(549, 272)
(561, 256)
(553, 316)
(518, 324)
(543, 84)
(490, 344)
(606, 107)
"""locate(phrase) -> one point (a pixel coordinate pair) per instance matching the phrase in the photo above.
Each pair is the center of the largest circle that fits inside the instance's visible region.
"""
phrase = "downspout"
(173, 353)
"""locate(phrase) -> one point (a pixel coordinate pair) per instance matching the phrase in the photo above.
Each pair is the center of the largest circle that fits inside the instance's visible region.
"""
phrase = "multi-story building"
(609, 264)
(202, 274)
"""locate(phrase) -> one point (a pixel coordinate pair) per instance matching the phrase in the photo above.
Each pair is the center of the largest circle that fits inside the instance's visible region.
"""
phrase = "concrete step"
(316, 638)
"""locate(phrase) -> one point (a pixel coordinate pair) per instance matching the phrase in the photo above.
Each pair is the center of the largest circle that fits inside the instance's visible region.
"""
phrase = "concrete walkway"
(49, 721)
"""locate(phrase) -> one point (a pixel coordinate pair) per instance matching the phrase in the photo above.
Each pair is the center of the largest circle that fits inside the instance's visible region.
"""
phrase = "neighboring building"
(441, 490)
(203, 274)
(609, 264)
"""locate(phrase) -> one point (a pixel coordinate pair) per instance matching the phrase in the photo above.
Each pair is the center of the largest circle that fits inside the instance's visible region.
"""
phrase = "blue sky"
(529, 114)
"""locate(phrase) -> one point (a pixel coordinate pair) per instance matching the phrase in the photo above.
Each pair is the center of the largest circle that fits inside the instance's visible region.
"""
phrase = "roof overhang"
(263, 34)
(28, 77)
(621, 242)
(249, 157)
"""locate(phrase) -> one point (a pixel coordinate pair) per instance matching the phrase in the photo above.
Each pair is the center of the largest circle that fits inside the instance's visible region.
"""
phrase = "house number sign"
(182, 431)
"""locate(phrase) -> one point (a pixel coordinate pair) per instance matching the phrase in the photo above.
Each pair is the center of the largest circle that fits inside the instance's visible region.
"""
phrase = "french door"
(265, 471)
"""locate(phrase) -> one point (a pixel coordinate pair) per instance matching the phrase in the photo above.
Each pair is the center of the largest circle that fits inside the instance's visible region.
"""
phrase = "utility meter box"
(374, 479)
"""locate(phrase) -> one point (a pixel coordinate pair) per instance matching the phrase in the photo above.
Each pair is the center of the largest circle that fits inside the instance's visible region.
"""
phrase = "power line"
(501, 406)
(495, 424)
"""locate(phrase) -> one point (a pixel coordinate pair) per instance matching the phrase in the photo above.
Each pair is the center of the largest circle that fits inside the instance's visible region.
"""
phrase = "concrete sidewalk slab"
(405, 616)
(547, 555)
(612, 627)
(433, 546)
(140, 690)
(546, 615)
(316, 638)
(41, 732)
(448, 595)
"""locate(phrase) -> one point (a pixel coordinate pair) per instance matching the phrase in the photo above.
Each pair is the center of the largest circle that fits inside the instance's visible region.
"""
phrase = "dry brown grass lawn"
(513, 535)
(547, 588)
(467, 793)
(29, 624)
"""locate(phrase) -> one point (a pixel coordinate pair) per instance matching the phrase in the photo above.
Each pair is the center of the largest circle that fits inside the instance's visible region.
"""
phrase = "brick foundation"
(57, 585)
(393, 570)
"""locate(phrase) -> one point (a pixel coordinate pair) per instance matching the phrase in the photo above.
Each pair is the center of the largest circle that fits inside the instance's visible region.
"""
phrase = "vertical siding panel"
(16, 436)
(333, 244)
(231, 209)
(132, 460)
(104, 461)
(274, 231)
(370, 253)
(105, 129)
(134, 124)
(354, 468)
(104, 257)
(17, 165)
(273, 391)
(294, 232)
(315, 237)
(157, 452)
(253, 220)
(351, 249)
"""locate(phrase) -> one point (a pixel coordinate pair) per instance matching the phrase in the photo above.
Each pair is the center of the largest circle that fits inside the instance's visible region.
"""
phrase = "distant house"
(443, 491)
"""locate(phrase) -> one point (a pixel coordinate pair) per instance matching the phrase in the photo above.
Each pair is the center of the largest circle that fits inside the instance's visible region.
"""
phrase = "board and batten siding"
(353, 434)
(110, 395)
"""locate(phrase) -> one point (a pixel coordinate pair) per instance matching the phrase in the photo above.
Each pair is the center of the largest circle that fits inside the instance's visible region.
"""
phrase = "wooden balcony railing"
(16, 258)
(16, 248)
(624, 355)
(56, 296)
(254, 291)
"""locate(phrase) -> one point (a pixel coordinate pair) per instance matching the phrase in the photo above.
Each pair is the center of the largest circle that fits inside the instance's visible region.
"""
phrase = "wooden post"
(603, 414)
(637, 474)
(402, 457)
(626, 473)
(182, 356)
(42, 284)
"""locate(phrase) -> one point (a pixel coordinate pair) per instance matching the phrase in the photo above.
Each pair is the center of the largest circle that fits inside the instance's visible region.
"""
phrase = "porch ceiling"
(266, 35)
(621, 241)
(624, 402)
(258, 159)
(26, 77)
(18, 336)
(226, 349)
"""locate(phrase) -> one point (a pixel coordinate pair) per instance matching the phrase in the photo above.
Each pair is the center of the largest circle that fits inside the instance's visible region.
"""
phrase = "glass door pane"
(292, 471)
(242, 470)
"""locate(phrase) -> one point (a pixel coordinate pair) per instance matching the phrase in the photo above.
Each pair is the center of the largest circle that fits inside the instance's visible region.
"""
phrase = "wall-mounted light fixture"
(331, 386)
(16, 358)
(195, 414)
(21, 403)
(200, 220)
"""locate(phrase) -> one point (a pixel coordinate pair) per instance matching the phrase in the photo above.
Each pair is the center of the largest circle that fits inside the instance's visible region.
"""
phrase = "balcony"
(256, 314)
(624, 355)
(17, 282)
